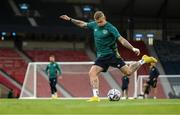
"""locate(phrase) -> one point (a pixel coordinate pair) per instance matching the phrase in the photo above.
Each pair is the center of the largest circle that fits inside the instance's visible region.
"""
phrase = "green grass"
(128, 107)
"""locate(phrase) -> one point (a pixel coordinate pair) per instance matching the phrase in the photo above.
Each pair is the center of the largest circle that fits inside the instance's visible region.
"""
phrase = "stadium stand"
(80, 80)
(12, 63)
(170, 60)
(46, 12)
(9, 85)
(144, 70)
(51, 18)
(9, 18)
(128, 55)
(15, 61)
(61, 55)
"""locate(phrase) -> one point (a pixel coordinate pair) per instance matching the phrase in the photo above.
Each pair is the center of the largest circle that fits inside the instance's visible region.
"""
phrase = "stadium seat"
(12, 63)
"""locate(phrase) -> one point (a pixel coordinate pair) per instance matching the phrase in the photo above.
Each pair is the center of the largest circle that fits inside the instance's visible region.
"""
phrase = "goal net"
(75, 82)
(168, 86)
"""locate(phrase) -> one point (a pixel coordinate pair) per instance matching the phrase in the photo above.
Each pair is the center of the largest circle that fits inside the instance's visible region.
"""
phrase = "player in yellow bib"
(106, 37)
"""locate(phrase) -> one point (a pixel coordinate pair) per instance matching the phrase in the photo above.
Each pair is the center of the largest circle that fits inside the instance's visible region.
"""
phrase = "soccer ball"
(114, 95)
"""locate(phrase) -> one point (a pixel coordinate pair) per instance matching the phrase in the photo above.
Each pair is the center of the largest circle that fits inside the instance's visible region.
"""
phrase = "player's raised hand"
(65, 17)
(136, 51)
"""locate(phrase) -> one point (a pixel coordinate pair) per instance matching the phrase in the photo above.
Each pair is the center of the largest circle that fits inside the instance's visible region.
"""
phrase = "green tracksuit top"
(53, 70)
(105, 38)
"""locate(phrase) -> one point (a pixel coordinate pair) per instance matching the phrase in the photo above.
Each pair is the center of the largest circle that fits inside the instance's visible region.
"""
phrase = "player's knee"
(128, 72)
(92, 73)
(145, 84)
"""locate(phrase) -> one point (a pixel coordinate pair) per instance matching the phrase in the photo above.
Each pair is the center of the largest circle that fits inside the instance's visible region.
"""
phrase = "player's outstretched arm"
(126, 44)
(79, 23)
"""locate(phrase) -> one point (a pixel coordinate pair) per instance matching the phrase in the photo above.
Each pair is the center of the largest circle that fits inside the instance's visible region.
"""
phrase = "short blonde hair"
(98, 15)
(52, 55)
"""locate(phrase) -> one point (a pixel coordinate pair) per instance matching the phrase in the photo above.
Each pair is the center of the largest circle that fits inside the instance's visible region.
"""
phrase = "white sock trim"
(95, 92)
(141, 61)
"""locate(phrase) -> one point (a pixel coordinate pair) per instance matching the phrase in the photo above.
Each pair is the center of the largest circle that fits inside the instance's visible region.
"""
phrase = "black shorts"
(124, 87)
(109, 60)
(152, 83)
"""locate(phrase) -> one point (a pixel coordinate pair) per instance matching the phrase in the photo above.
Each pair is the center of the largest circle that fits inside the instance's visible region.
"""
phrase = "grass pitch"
(76, 107)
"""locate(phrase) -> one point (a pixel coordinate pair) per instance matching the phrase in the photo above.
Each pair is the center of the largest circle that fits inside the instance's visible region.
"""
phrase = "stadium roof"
(144, 8)
(136, 8)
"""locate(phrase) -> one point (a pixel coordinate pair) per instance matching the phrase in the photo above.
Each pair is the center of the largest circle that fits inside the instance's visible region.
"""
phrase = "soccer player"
(106, 36)
(152, 80)
(125, 83)
(10, 94)
(53, 70)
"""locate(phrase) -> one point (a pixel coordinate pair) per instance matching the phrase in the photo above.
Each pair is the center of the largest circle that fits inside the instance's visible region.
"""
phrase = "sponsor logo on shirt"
(105, 31)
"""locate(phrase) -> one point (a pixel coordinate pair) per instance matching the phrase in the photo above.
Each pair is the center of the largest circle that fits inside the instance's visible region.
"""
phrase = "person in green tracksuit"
(53, 71)
(106, 37)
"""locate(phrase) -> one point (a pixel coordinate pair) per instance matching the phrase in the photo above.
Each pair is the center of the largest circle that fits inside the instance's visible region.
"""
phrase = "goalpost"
(166, 85)
(36, 84)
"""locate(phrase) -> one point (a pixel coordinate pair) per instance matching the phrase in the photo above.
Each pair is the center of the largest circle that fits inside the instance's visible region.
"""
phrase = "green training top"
(53, 70)
(105, 38)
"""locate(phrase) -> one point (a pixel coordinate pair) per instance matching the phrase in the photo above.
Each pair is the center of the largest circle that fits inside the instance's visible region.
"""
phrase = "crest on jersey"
(105, 31)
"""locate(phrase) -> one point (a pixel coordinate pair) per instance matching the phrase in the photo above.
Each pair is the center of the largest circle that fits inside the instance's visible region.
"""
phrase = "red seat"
(61, 55)
(130, 56)
(9, 85)
(12, 63)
